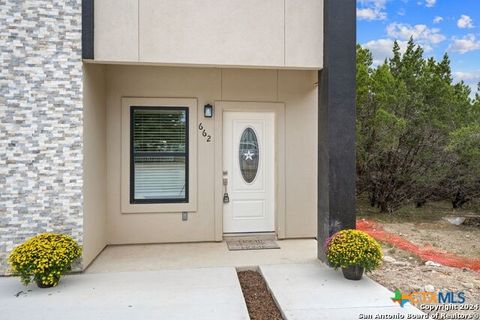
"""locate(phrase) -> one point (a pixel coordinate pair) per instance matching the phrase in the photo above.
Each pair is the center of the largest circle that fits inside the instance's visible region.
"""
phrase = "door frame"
(278, 108)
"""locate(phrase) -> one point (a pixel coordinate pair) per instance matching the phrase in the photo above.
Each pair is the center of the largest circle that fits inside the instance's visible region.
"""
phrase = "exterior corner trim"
(88, 24)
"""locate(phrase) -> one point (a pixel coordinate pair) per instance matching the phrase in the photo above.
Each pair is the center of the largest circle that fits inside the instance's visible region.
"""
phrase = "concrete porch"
(152, 257)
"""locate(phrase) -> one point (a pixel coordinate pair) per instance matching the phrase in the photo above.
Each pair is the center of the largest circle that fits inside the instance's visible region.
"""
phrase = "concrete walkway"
(208, 293)
(198, 281)
(313, 291)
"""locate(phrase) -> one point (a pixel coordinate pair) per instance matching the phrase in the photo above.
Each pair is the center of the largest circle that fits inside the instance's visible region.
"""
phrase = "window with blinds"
(159, 155)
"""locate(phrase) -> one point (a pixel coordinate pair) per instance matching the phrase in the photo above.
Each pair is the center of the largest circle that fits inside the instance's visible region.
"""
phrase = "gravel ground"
(260, 303)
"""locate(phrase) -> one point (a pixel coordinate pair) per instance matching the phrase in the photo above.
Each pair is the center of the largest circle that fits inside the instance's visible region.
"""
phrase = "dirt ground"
(462, 240)
(405, 271)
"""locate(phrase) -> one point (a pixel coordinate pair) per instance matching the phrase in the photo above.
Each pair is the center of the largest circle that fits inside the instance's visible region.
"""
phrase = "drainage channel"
(259, 300)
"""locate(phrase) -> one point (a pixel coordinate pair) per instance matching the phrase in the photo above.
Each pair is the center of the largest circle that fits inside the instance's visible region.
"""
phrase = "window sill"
(158, 207)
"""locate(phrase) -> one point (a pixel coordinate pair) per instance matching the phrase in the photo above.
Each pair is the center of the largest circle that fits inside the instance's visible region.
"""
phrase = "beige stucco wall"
(94, 162)
(297, 90)
(116, 30)
(248, 33)
(294, 88)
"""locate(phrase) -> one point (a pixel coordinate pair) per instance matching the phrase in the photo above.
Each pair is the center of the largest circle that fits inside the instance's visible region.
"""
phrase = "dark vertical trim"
(87, 29)
(336, 122)
(132, 158)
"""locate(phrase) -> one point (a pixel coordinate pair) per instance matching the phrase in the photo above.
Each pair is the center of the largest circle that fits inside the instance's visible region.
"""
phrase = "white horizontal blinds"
(159, 154)
(160, 178)
(159, 130)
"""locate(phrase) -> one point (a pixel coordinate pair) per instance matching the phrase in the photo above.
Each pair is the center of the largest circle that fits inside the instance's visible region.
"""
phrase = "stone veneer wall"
(40, 120)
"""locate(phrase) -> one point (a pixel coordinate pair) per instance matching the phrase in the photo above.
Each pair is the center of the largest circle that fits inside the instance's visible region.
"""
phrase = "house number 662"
(204, 133)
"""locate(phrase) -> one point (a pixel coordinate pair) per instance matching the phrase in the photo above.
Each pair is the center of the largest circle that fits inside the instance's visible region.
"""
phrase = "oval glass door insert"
(249, 155)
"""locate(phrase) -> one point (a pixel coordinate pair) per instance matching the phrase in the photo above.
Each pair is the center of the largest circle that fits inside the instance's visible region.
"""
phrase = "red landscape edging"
(426, 253)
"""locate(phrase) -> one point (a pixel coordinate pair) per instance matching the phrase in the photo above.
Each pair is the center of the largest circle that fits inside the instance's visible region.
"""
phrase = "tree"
(408, 111)
(463, 181)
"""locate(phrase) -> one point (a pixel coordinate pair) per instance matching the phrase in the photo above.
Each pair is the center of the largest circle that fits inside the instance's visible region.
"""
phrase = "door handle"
(226, 198)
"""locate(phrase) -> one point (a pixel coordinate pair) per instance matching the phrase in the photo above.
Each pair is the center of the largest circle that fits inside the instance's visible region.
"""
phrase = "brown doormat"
(235, 245)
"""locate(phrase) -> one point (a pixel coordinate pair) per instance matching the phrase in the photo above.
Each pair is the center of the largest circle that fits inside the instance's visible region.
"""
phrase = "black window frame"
(185, 154)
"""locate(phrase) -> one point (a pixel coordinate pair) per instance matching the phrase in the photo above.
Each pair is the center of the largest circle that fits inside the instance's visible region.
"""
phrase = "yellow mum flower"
(44, 258)
(353, 247)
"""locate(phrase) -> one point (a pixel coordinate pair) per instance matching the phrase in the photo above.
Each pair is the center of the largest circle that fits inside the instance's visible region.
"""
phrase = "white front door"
(249, 171)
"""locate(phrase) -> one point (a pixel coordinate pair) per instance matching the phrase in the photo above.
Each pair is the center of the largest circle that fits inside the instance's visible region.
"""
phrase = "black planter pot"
(40, 284)
(353, 272)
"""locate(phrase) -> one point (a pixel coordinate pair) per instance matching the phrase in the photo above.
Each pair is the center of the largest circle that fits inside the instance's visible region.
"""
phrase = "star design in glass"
(249, 155)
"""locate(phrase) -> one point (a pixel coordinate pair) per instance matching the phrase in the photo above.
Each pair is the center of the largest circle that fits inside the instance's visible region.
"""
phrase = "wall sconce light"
(208, 111)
